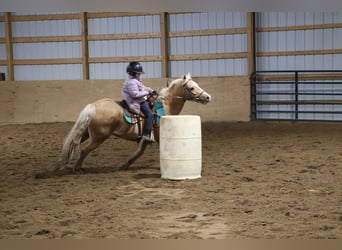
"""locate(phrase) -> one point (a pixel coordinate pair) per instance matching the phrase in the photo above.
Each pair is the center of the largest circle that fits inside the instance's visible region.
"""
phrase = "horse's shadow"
(99, 170)
(147, 176)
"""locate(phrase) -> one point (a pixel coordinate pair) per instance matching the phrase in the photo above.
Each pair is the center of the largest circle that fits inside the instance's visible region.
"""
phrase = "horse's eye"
(192, 88)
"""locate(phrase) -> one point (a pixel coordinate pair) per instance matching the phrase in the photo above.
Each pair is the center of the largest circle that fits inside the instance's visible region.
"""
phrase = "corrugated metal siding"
(118, 70)
(27, 13)
(46, 28)
(119, 48)
(208, 44)
(307, 62)
(47, 50)
(207, 20)
(219, 67)
(124, 47)
(2, 51)
(124, 25)
(48, 72)
(318, 39)
(301, 40)
(283, 19)
(133, 47)
(2, 29)
(3, 69)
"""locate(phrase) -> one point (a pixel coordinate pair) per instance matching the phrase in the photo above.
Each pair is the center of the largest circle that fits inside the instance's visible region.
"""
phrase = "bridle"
(188, 95)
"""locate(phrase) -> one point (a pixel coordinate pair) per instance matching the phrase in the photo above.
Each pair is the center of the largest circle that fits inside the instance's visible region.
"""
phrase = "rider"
(135, 93)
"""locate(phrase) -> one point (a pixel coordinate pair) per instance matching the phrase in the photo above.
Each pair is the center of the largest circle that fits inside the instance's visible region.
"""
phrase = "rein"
(190, 94)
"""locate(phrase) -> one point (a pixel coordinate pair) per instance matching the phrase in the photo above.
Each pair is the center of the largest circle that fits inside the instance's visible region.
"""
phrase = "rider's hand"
(153, 92)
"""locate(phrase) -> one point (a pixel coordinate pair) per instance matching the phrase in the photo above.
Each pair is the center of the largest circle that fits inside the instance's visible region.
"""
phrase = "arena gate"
(296, 95)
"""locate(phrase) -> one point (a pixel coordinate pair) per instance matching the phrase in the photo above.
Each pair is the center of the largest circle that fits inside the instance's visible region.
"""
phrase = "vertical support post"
(164, 44)
(253, 85)
(9, 46)
(84, 39)
(296, 95)
(251, 42)
(251, 61)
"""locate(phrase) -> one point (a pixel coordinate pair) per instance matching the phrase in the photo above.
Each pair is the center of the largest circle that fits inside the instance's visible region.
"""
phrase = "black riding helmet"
(134, 67)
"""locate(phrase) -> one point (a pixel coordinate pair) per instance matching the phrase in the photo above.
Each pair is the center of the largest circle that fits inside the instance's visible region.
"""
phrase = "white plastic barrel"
(180, 144)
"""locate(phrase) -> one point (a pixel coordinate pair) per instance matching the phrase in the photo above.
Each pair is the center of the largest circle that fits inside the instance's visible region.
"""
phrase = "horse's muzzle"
(204, 98)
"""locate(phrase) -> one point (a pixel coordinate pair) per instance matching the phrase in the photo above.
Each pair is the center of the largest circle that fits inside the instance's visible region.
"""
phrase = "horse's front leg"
(140, 151)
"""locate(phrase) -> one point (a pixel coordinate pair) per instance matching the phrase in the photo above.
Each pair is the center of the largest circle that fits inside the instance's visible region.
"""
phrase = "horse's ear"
(187, 76)
(168, 82)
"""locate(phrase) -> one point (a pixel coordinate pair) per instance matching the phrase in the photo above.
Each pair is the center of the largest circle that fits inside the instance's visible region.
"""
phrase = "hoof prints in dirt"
(192, 225)
(259, 180)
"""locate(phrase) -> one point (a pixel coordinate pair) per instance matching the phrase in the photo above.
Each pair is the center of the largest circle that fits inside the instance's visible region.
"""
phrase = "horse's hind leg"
(86, 148)
(137, 154)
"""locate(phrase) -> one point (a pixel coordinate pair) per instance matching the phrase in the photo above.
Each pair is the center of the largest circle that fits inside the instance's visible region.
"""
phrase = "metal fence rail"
(307, 95)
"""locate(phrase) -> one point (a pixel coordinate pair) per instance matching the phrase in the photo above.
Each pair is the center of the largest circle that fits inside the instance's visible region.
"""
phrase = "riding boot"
(146, 135)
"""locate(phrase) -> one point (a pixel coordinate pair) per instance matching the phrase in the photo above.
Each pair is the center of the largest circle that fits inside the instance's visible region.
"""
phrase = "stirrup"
(146, 138)
(143, 137)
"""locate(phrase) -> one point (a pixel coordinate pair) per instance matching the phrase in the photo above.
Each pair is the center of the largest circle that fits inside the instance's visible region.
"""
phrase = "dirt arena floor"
(259, 180)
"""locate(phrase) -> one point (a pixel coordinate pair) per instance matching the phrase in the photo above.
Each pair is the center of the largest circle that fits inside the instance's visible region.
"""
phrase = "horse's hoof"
(124, 167)
(79, 170)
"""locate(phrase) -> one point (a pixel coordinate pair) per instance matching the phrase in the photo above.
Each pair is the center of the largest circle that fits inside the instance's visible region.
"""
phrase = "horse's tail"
(73, 139)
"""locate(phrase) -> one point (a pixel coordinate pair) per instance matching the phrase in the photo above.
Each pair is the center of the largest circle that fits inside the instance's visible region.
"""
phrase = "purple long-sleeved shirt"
(134, 93)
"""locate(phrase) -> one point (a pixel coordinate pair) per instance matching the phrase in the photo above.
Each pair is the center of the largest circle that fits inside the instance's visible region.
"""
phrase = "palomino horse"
(99, 120)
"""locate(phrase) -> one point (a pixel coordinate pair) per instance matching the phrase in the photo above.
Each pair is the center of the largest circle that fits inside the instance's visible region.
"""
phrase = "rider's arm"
(135, 92)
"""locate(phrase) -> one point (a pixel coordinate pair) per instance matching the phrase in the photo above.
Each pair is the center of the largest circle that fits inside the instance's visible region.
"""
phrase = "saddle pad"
(127, 118)
(159, 109)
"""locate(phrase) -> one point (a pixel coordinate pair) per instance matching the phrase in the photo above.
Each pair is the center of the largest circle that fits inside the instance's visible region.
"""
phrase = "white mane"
(163, 92)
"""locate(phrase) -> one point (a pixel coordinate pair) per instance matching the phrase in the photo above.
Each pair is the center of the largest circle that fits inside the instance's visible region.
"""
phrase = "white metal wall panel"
(118, 70)
(3, 69)
(48, 72)
(208, 20)
(318, 39)
(132, 47)
(26, 13)
(2, 29)
(2, 51)
(282, 19)
(124, 25)
(124, 47)
(307, 62)
(300, 40)
(219, 67)
(208, 44)
(49, 50)
(46, 28)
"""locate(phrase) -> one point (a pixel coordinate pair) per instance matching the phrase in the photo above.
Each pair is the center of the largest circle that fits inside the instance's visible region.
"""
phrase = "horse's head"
(179, 91)
(193, 92)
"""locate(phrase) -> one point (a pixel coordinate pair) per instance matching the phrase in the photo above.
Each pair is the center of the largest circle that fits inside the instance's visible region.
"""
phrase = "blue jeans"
(148, 118)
